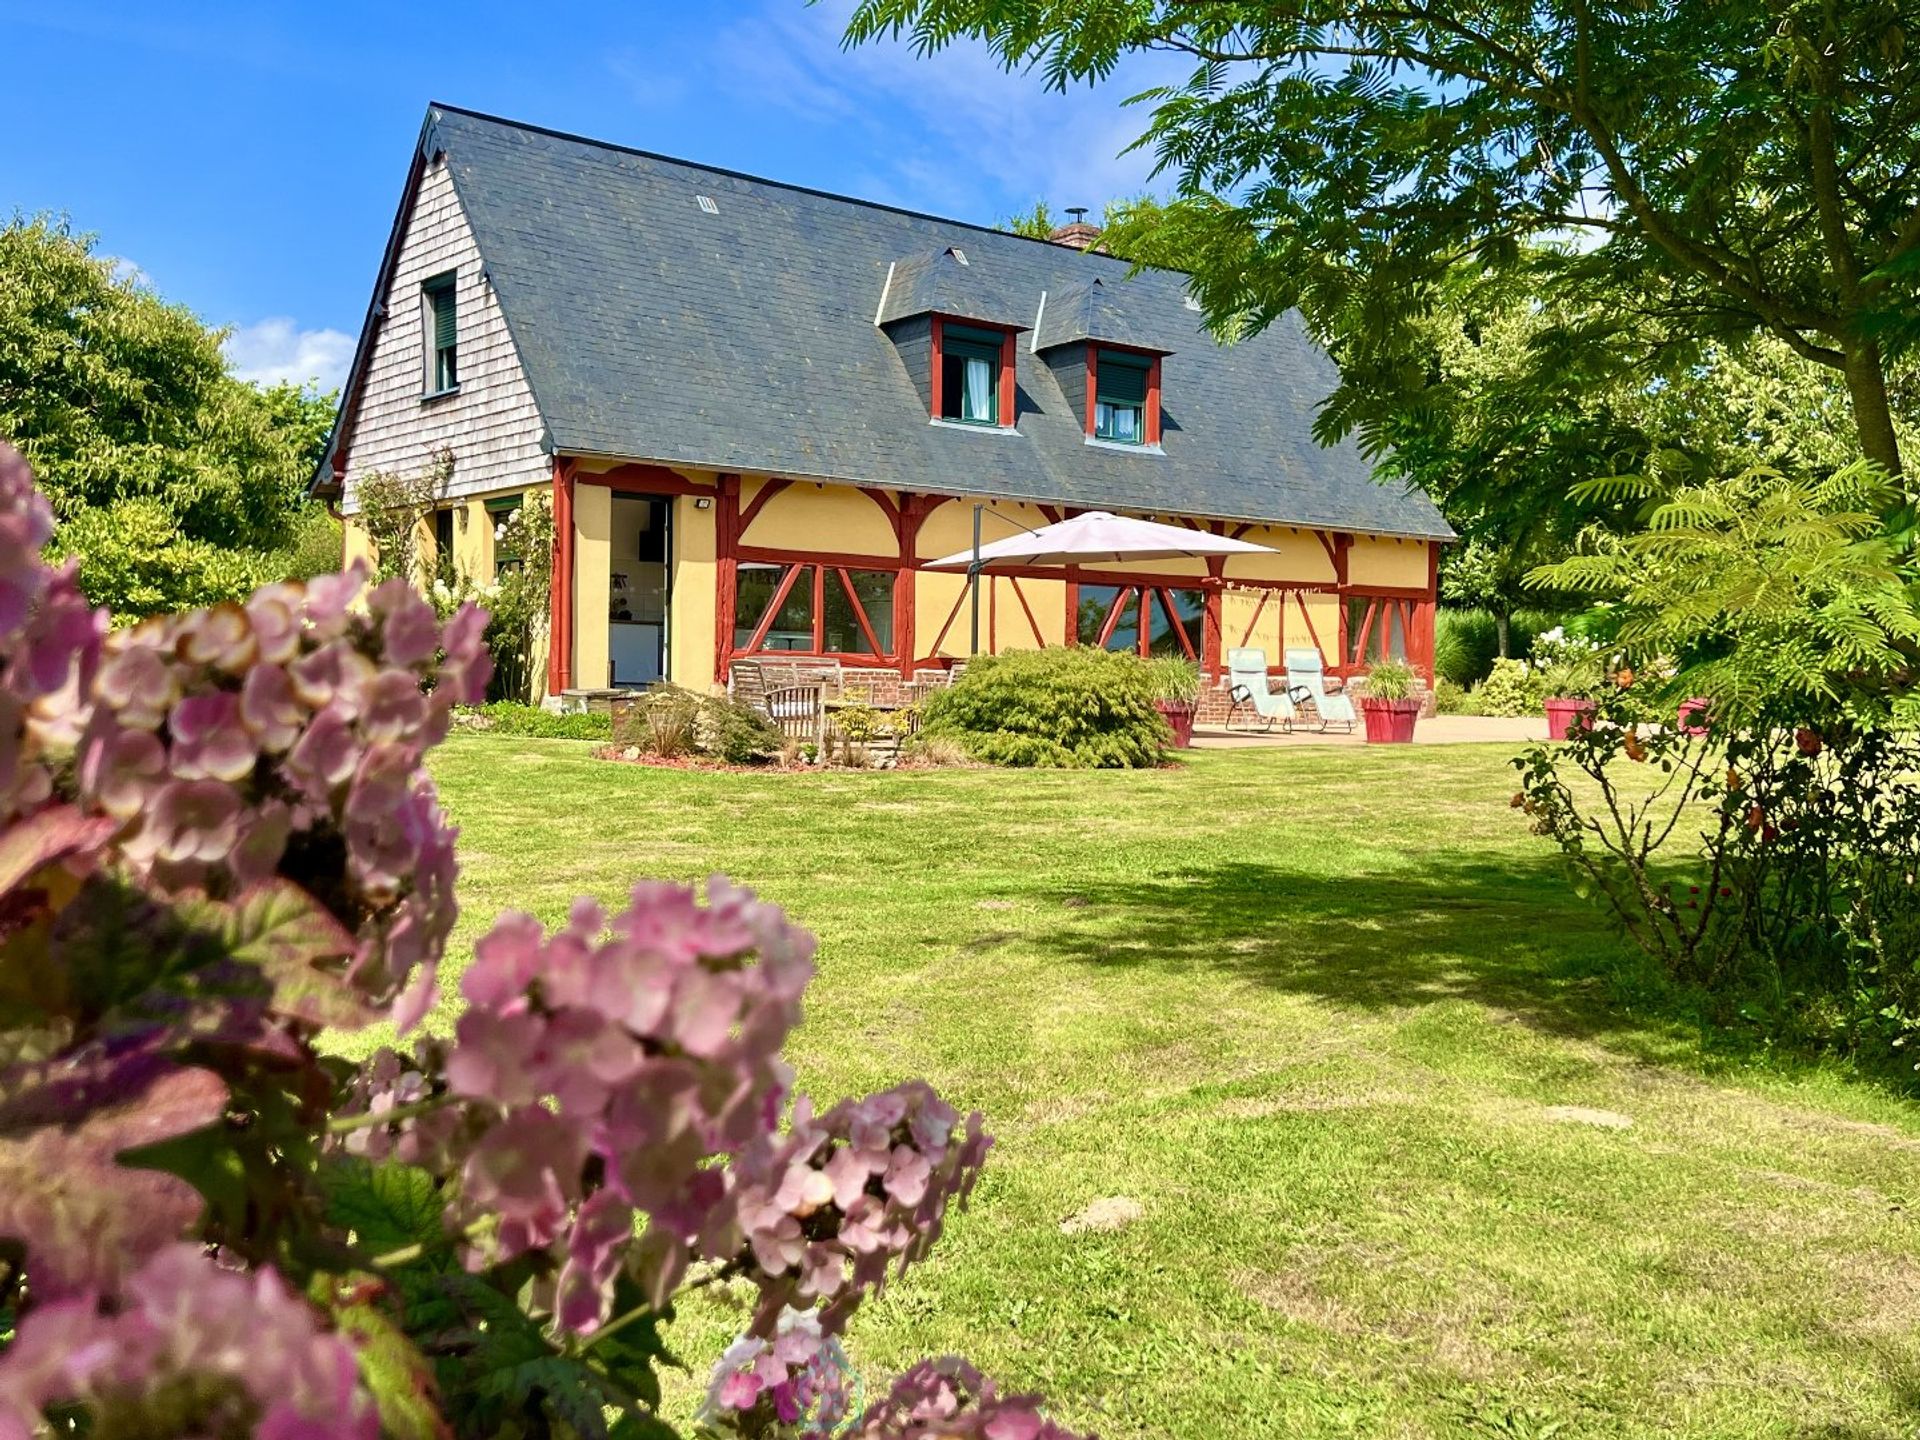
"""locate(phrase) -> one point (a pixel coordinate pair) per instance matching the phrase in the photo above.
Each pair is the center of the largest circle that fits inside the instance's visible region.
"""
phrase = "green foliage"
(1740, 174)
(394, 510)
(314, 547)
(1760, 588)
(1069, 706)
(1451, 698)
(1174, 678)
(176, 483)
(1466, 642)
(515, 717)
(1510, 689)
(669, 721)
(1771, 860)
(1390, 680)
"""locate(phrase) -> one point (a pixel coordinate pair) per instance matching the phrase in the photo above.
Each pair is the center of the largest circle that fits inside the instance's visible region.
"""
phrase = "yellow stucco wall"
(690, 616)
(592, 575)
(806, 516)
(949, 528)
(355, 542)
(1380, 560)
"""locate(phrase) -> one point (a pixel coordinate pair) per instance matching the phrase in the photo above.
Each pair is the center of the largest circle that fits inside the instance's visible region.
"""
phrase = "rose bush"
(218, 842)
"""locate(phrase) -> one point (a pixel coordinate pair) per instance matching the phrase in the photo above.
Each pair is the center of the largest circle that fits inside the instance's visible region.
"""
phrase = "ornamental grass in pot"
(1176, 695)
(1390, 707)
(1572, 684)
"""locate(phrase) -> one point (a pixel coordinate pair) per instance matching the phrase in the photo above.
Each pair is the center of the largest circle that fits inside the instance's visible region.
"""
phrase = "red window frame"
(1009, 354)
(818, 583)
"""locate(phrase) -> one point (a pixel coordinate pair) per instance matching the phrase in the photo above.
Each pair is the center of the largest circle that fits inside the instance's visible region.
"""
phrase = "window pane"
(1121, 378)
(969, 380)
(754, 589)
(1096, 604)
(1190, 606)
(844, 635)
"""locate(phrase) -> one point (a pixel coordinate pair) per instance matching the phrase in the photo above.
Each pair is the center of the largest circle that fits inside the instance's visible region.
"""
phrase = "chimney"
(1076, 234)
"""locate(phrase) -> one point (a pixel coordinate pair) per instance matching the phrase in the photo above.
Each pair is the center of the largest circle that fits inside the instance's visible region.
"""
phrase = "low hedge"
(1069, 707)
(511, 717)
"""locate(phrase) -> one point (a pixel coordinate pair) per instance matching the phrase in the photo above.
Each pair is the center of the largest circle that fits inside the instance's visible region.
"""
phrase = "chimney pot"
(1076, 234)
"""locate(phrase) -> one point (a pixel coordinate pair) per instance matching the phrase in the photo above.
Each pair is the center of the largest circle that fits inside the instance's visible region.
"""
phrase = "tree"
(176, 483)
(1745, 166)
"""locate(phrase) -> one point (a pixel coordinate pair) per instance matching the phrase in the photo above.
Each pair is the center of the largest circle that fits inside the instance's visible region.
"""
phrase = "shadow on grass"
(1508, 936)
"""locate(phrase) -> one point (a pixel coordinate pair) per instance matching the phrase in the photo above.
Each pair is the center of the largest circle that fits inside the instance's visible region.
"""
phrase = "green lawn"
(1312, 1011)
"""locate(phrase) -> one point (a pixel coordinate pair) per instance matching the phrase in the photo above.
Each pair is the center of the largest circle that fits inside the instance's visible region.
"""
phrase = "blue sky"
(247, 158)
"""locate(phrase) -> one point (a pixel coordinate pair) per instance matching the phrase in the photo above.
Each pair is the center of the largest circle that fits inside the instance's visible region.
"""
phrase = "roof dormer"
(955, 332)
(1107, 363)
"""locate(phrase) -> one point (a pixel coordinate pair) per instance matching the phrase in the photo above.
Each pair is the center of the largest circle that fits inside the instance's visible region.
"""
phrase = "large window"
(970, 374)
(813, 609)
(1120, 391)
(1377, 629)
(1113, 617)
(443, 334)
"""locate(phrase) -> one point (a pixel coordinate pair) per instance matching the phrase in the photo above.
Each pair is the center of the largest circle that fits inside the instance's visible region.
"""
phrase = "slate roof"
(943, 284)
(1099, 309)
(745, 340)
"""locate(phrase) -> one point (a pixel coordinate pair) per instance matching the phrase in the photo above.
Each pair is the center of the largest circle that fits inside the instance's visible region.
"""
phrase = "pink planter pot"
(1564, 716)
(1693, 716)
(1389, 722)
(1179, 717)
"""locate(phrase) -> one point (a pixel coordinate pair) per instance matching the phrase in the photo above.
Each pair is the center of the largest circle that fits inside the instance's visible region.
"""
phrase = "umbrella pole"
(973, 581)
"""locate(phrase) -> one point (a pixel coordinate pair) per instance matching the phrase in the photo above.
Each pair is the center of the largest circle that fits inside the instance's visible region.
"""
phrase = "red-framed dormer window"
(972, 374)
(1123, 396)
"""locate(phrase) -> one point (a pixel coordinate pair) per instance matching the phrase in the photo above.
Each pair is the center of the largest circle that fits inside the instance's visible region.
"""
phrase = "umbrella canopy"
(1098, 537)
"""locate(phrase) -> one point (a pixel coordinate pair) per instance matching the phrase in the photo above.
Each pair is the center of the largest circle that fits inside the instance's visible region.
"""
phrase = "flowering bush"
(1794, 898)
(218, 842)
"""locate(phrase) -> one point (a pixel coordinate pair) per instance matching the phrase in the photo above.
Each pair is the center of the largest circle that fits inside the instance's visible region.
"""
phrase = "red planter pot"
(1564, 716)
(1389, 722)
(1693, 716)
(1179, 717)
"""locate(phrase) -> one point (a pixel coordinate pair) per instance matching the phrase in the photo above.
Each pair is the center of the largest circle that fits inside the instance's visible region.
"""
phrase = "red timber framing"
(906, 513)
(1150, 411)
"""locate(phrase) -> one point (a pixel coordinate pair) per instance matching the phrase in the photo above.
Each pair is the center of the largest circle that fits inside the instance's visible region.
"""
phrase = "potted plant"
(1572, 672)
(1389, 706)
(1176, 693)
(1571, 683)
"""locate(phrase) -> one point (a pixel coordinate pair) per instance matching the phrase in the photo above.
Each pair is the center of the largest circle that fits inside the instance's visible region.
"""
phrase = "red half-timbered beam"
(637, 479)
(773, 608)
(860, 614)
(1020, 595)
(1253, 623)
(759, 502)
(933, 386)
(560, 587)
(952, 615)
(726, 540)
(1213, 595)
(1314, 634)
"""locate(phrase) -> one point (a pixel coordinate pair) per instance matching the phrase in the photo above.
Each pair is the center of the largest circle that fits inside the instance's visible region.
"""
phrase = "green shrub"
(1467, 642)
(1063, 706)
(1512, 688)
(1453, 699)
(670, 721)
(511, 717)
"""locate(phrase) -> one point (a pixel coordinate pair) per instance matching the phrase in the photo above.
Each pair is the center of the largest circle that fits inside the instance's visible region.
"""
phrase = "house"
(760, 409)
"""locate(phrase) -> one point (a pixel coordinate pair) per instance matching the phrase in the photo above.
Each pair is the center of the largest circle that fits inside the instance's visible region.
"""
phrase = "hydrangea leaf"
(85, 1218)
(394, 1372)
(56, 833)
(386, 1206)
(286, 933)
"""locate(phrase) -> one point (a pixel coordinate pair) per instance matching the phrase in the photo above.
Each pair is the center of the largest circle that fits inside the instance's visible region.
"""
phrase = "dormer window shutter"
(1122, 382)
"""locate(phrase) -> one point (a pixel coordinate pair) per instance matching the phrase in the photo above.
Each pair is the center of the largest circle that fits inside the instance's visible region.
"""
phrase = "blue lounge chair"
(1307, 682)
(1247, 686)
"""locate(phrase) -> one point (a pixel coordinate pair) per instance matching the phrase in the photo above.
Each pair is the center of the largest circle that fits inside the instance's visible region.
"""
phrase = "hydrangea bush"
(218, 842)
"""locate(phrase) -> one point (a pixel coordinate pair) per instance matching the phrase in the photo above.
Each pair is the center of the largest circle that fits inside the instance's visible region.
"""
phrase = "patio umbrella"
(1096, 538)
(1090, 539)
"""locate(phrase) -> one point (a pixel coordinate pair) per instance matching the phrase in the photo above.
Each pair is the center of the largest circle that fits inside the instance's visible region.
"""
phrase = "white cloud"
(126, 272)
(275, 349)
(981, 141)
